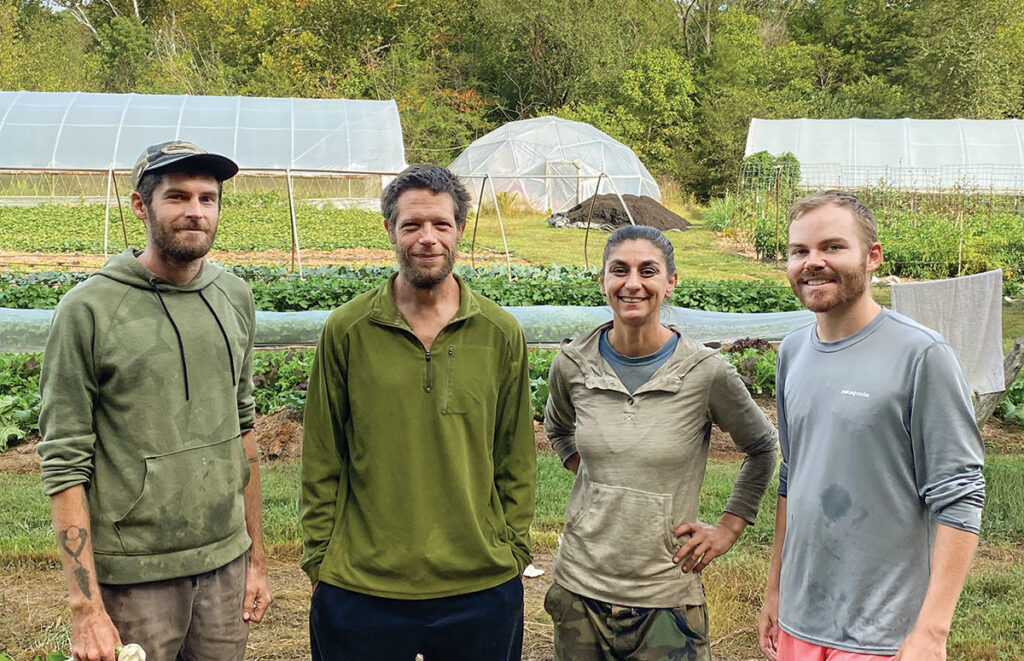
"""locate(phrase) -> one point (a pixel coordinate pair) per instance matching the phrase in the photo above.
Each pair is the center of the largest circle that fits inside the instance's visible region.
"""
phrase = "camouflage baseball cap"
(160, 156)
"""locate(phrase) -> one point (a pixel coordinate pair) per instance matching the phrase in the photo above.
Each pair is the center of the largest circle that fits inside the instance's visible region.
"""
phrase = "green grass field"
(529, 238)
(989, 622)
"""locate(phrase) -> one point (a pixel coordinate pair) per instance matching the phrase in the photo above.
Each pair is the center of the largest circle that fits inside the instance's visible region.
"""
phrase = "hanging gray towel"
(968, 311)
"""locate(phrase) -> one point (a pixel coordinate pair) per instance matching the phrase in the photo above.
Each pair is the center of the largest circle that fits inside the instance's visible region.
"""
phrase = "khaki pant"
(591, 630)
(194, 618)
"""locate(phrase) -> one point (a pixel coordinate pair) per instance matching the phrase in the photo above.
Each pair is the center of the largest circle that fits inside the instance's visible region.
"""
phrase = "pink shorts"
(794, 649)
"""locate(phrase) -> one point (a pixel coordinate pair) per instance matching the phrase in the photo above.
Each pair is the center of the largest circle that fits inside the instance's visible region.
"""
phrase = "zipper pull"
(426, 383)
(451, 351)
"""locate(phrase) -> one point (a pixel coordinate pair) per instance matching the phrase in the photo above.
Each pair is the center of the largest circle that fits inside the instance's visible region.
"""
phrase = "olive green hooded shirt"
(146, 388)
(418, 467)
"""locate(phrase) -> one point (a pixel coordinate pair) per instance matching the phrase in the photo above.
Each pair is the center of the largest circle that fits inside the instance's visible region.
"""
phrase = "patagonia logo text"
(854, 393)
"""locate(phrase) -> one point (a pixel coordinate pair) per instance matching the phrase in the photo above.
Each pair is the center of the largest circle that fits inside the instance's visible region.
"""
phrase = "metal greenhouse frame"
(53, 134)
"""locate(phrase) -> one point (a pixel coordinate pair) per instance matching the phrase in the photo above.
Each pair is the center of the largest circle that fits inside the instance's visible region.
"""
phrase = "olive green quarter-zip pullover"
(418, 465)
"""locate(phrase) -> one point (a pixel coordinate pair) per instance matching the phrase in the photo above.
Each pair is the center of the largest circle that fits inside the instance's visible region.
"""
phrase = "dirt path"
(350, 256)
(35, 618)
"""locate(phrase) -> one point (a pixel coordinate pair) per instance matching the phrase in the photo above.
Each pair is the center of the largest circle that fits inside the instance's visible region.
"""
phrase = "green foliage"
(36, 290)
(769, 236)
(1003, 518)
(325, 288)
(721, 212)
(979, 49)
(19, 395)
(735, 296)
(926, 245)
(650, 110)
(763, 170)
(755, 362)
(541, 54)
(125, 47)
(280, 379)
(922, 236)
(32, 39)
(540, 366)
(249, 221)
(1012, 405)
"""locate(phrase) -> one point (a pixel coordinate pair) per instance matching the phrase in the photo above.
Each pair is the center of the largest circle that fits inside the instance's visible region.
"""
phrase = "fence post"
(590, 214)
(778, 185)
(476, 223)
(296, 256)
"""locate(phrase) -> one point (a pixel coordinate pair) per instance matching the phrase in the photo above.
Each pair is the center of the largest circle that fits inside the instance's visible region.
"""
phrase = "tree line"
(676, 80)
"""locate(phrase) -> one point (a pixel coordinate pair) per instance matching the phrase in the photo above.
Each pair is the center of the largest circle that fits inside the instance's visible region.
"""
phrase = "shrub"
(540, 365)
(756, 365)
(1012, 406)
(19, 395)
(325, 288)
(280, 379)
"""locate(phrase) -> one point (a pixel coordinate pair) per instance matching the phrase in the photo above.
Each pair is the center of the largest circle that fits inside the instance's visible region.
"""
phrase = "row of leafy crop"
(280, 379)
(249, 221)
(916, 243)
(328, 287)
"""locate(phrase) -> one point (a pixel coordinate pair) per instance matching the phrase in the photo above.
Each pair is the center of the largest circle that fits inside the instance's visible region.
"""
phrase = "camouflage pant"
(591, 630)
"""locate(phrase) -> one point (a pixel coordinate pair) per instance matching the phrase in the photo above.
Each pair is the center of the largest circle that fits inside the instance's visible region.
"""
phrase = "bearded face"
(829, 266)
(425, 236)
(181, 219)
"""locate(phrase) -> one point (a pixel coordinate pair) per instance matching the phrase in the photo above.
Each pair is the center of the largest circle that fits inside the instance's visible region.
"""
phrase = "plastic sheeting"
(25, 330)
(552, 163)
(908, 154)
(85, 131)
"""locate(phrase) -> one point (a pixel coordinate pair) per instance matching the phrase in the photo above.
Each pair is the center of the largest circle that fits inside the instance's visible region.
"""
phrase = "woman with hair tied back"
(630, 412)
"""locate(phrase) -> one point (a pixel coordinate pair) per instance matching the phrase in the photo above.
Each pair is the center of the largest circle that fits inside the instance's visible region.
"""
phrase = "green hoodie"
(146, 388)
(418, 467)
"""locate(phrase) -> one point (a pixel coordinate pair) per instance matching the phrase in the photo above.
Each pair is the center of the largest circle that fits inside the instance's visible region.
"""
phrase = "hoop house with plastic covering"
(84, 131)
(907, 154)
(74, 147)
(552, 163)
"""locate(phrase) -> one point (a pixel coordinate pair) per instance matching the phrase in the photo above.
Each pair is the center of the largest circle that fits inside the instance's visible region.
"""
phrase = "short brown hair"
(865, 220)
(433, 178)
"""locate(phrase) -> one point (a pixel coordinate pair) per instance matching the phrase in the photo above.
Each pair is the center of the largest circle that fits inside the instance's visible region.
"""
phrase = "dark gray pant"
(194, 618)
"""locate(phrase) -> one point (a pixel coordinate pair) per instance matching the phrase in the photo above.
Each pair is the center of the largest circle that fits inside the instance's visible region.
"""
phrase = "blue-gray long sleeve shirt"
(879, 445)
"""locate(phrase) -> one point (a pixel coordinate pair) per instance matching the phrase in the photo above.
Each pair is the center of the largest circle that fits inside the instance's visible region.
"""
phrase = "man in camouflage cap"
(148, 449)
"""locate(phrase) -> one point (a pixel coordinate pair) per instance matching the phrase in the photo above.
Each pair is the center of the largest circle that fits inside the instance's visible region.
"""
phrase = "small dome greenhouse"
(551, 164)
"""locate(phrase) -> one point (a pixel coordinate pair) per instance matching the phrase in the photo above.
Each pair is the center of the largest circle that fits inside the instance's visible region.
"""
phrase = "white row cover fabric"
(26, 330)
(552, 163)
(85, 131)
(968, 311)
(908, 154)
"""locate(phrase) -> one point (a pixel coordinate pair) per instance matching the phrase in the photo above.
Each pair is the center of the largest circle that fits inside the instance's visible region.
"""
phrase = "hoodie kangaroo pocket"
(190, 498)
(623, 532)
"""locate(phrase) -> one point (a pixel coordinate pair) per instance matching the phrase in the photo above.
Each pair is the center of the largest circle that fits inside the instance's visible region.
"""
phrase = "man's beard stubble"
(171, 247)
(424, 278)
(849, 287)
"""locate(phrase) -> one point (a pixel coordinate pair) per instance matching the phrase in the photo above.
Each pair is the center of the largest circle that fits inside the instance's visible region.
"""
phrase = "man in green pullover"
(418, 462)
(149, 456)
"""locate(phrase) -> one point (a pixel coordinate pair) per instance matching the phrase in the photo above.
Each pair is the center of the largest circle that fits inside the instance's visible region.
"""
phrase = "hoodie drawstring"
(181, 346)
(231, 359)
